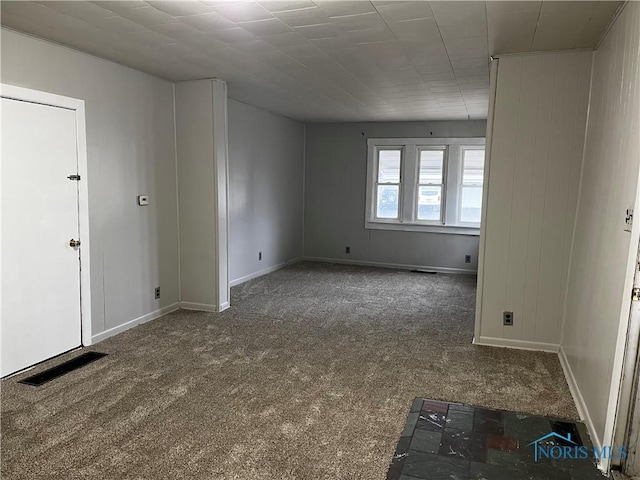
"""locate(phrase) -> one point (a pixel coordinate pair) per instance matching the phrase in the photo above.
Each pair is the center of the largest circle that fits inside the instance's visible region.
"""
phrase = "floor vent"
(62, 369)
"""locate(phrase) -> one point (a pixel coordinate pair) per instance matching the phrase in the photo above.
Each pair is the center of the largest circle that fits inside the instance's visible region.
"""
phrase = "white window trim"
(452, 177)
(461, 184)
(376, 183)
(443, 186)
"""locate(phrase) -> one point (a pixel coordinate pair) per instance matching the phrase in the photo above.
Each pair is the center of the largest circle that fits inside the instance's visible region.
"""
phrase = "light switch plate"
(143, 200)
(628, 220)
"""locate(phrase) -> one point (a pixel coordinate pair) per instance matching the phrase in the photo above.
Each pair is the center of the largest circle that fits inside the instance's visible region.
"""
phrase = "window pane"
(471, 204)
(473, 170)
(429, 203)
(387, 201)
(431, 166)
(389, 166)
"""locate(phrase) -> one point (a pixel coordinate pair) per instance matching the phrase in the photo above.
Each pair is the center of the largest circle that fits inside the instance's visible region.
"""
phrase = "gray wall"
(130, 151)
(335, 185)
(201, 140)
(196, 193)
(266, 172)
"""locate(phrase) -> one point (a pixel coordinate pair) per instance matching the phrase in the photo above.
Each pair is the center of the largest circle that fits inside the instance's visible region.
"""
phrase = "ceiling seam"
(452, 69)
(535, 30)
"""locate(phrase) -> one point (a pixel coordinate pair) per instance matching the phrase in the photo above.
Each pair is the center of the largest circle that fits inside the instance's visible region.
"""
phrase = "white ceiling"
(322, 60)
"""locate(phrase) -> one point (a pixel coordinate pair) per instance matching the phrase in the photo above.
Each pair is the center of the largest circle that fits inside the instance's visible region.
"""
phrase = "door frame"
(13, 92)
(627, 426)
(627, 420)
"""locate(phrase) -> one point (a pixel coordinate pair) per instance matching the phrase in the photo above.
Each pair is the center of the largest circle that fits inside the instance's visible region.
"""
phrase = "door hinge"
(635, 294)
(74, 177)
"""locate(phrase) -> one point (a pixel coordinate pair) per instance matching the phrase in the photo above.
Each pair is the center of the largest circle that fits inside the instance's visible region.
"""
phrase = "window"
(388, 183)
(430, 184)
(471, 185)
(425, 184)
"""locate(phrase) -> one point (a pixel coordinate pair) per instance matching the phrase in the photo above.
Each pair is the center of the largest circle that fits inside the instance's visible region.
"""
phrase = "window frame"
(462, 185)
(377, 183)
(409, 186)
(443, 185)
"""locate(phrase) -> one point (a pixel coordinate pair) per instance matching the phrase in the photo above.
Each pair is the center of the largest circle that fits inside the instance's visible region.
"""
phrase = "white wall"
(335, 185)
(536, 151)
(266, 178)
(603, 256)
(201, 136)
(130, 148)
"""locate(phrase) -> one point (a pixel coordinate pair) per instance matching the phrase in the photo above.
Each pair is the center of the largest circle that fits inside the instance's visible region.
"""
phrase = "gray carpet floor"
(309, 375)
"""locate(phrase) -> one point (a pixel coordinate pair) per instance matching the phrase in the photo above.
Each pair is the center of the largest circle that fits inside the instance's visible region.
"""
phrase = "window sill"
(405, 227)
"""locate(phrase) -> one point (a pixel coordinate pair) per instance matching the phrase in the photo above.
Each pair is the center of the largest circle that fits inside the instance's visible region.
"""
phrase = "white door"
(40, 270)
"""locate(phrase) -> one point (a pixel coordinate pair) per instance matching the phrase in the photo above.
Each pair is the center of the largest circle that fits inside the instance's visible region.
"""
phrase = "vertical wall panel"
(556, 216)
(603, 254)
(498, 219)
(546, 68)
(521, 196)
(538, 132)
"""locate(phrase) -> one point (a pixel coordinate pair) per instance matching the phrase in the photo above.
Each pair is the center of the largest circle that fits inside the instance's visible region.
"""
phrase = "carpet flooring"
(307, 376)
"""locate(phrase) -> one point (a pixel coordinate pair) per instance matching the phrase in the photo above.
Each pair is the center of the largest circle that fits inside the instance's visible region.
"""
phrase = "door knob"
(74, 243)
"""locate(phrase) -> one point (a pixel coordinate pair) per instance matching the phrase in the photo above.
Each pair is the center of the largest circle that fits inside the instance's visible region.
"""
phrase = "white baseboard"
(201, 307)
(265, 271)
(398, 266)
(223, 306)
(135, 322)
(578, 399)
(517, 344)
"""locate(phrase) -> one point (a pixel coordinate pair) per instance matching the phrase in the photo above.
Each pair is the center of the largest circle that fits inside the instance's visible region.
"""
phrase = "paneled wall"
(536, 152)
(603, 255)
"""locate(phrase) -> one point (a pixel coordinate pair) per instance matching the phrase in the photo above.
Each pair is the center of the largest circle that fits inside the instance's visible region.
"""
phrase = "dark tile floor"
(460, 442)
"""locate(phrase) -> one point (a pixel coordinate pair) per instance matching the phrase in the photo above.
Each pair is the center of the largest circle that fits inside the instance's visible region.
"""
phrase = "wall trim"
(578, 399)
(200, 307)
(223, 306)
(221, 189)
(517, 344)
(264, 271)
(493, 78)
(399, 266)
(135, 322)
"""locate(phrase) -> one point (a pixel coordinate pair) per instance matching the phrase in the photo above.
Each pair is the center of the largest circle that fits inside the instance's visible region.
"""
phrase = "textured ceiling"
(322, 60)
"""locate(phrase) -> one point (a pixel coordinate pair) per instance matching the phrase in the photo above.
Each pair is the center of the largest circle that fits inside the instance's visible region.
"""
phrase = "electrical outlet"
(157, 292)
(347, 250)
(259, 255)
(507, 318)
(467, 259)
